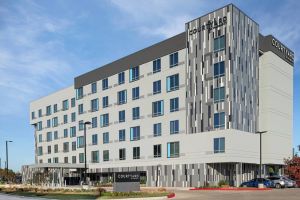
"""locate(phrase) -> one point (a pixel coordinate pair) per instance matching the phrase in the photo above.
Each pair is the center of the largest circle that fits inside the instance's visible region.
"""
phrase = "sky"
(45, 44)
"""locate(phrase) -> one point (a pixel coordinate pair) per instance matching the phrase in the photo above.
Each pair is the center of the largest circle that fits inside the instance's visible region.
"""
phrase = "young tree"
(292, 168)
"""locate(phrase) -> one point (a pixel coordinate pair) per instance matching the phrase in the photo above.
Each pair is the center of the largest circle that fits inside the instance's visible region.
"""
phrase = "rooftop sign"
(209, 25)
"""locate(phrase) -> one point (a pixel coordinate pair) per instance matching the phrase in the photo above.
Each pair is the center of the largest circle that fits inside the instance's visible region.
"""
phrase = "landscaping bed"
(77, 193)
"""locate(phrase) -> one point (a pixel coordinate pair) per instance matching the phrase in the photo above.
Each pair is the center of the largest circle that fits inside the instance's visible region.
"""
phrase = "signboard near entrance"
(126, 181)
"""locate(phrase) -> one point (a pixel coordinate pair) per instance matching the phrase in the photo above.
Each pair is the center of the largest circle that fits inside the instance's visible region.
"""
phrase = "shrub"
(100, 191)
(222, 182)
(162, 189)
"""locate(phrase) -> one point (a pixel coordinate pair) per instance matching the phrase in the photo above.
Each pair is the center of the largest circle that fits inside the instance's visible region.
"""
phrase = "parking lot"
(275, 194)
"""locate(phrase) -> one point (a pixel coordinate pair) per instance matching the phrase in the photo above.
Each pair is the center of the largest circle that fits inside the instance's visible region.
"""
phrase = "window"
(106, 155)
(95, 105)
(157, 129)
(174, 126)
(122, 116)
(73, 131)
(49, 150)
(49, 160)
(174, 104)
(105, 138)
(134, 133)
(219, 69)
(173, 149)
(73, 117)
(65, 159)
(157, 151)
(55, 135)
(39, 126)
(55, 108)
(80, 125)
(32, 115)
(135, 93)
(219, 120)
(40, 112)
(156, 66)
(49, 136)
(219, 145)
(65, 105)
(74, 146)
(219, 43)
(219, 94)
(65, 133)
(48, 123)
(54, 122)
(40, 138)
(65, 119)
(80, 109)
(73, 159)
(121, 78)
(40, 151)
(80, 142)
(134, 74)
(122, 97)
(122, 154)
(104, 120)
(66, 147)
(105, 102)
(94, 139)
(56, 148)
(136, 153)
(172, 82)
(135, 113)
(94, 87)
(55, 160)
(105, 84)
(95, 156)
(173, 59)
(157, 108)
(73, 102)
(156, 87)
(48, 110)
(79, 93)
(81, 157)
(94, 122)
(122, 135)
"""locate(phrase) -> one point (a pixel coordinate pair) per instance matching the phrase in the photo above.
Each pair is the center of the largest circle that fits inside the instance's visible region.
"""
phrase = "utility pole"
(85, 168)
(6, 142)
(260, 153)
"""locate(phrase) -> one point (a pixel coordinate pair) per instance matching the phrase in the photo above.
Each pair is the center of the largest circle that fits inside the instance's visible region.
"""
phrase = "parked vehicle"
(256, 181)
(280, 181)
(290, 183)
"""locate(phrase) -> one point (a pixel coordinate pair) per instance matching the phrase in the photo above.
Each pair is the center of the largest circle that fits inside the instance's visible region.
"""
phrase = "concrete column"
(238, 174)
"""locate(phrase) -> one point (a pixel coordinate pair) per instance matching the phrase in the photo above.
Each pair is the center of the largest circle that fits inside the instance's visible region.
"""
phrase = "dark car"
(256, 181)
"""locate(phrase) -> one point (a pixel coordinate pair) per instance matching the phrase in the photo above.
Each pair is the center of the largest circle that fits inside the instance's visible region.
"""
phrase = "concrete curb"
(146, 198)
(232, 189)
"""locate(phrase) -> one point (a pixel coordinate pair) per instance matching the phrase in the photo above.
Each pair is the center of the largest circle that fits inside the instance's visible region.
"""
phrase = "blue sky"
(45, 44)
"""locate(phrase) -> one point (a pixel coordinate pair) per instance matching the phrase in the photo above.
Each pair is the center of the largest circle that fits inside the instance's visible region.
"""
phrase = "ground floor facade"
(175, 175)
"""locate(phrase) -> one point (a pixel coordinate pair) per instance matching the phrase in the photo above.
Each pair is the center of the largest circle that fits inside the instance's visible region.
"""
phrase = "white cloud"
(283, 24)
(31, 61)
(158, 17)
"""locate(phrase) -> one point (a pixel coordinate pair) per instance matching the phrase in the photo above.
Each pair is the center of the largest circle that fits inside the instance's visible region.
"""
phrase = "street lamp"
(7, 141)
(260, 168)
(85, 123)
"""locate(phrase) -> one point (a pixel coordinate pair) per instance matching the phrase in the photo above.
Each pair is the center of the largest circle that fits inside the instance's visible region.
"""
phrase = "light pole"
(7, 141)
(85, 123)
(260, 168)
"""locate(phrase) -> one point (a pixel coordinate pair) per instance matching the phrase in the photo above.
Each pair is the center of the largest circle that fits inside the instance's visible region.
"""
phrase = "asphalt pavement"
(275, 194)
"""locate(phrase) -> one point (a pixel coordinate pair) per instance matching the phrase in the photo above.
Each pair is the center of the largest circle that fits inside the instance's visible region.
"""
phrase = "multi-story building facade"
(183, 112)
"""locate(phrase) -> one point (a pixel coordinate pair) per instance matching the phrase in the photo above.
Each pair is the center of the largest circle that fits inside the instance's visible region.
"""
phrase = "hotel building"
(183, 112)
